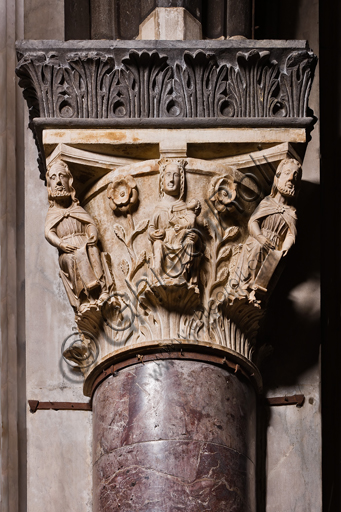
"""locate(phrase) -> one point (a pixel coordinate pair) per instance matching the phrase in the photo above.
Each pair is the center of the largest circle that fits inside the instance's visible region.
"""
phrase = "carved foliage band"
(146, 84)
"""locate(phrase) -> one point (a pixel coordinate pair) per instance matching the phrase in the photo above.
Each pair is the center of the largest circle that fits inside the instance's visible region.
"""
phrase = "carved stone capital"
(181, 251)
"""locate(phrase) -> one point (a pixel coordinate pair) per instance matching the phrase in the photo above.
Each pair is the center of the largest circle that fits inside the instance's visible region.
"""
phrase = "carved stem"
(130, 247)
(131, 225)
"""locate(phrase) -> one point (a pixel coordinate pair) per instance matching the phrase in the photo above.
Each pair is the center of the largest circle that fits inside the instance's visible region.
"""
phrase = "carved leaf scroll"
(92, 76)
(229, 234)
(221, 279)
(253, 85)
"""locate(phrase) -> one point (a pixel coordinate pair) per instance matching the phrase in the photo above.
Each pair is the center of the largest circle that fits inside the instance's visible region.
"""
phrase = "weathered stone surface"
(44, 19)
(172, 23)
(59, 460)
(222, 79)
(171, 435)
(157, 136)
(291, 463)
(294, 434)
(59, 444)
(174, 236)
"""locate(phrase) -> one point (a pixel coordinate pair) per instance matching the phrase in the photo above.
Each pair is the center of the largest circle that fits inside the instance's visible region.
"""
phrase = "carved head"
(287, 178)
(59, 182)
(172, 177)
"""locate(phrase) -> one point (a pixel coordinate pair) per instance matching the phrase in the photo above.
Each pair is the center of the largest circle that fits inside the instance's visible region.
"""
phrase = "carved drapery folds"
(184, 257)
(170, 249)
(172, 82)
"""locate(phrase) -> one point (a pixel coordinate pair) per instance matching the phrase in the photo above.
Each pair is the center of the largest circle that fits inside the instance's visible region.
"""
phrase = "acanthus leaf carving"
(202, 85)
(296, 81)
(92, 74)
(147, 84)
(253, 84)
(147, 73)
(181, 279)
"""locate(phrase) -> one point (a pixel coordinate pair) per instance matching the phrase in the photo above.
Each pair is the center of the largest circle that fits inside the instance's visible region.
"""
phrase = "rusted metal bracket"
(59, 406)
(297, 400)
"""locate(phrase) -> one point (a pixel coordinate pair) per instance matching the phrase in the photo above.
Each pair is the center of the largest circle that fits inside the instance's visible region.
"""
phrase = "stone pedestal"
(174, 435)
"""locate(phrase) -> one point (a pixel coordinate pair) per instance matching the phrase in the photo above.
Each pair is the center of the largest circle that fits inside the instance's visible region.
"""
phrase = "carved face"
(59, 181)
(287, 181)
(171, 180)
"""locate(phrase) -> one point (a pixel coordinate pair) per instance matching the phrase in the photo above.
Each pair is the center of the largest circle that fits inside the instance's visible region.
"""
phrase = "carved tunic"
(81, 269)
(72, 231)
(175, 251)
(277, 223)
(275, 229)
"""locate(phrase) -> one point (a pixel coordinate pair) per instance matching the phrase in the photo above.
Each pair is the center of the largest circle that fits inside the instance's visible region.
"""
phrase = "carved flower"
(222, 192)
(122, 194)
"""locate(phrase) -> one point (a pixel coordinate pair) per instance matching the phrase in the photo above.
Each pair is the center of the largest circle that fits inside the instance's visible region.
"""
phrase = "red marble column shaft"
(173, 436)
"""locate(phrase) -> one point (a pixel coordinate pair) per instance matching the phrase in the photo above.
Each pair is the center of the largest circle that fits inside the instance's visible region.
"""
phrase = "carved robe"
(81, 270)
(175, 253)
(278, 224)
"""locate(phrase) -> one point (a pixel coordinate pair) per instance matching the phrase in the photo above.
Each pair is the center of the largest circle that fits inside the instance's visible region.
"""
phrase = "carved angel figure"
(173, 230)
(272, 231)
(70, 228)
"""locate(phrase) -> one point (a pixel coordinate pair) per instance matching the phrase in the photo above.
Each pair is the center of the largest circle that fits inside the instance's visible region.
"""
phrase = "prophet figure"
(272, 231)
(173, 230)
(73, 232)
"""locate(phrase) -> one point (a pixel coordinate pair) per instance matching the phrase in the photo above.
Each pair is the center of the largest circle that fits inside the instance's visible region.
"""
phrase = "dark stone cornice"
(167, 83)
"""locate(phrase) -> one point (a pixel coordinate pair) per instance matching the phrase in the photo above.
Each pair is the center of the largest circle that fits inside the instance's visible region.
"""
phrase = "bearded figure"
(70, 228)
(173, 230)
(272, 231)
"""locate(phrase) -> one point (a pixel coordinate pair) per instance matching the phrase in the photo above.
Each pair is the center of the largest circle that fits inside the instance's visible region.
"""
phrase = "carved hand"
(158, 234)
(67, 247)
(193, 237)
(92, 240)
(267, 244)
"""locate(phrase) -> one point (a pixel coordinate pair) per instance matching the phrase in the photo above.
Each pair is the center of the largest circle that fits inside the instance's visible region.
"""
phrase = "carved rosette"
(175, 256)
(179, 252)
